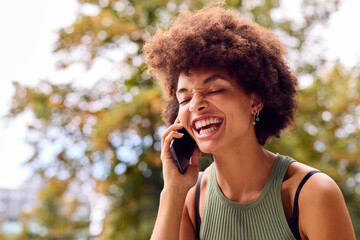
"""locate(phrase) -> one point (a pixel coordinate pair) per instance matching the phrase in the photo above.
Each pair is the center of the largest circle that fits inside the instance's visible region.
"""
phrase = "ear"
(256, 103)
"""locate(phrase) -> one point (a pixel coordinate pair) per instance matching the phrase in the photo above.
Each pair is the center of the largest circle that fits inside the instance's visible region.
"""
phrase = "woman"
(227, 83)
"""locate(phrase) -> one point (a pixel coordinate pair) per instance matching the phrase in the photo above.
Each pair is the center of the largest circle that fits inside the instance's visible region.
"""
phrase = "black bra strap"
(293, 222)
(197, 200)
(296, 202)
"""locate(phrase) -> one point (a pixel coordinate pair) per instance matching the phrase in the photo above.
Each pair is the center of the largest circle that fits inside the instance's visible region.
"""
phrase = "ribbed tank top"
(261, 219)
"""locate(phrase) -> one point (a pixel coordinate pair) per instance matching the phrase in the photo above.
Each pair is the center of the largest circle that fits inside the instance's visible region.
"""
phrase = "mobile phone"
(182, 149)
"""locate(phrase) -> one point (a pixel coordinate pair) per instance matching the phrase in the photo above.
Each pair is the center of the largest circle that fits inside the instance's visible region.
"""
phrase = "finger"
(165, 147)
(170, 137)
(173, 127)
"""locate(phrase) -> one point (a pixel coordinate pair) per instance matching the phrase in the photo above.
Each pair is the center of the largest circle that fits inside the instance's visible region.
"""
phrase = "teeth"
(208, 130)
(202, 123)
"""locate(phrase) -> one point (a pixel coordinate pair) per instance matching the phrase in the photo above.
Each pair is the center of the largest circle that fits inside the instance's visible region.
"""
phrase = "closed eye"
(185, 101)
(217, 91)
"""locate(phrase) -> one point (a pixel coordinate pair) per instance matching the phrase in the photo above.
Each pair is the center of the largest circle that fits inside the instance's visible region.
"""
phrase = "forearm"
(167, 224)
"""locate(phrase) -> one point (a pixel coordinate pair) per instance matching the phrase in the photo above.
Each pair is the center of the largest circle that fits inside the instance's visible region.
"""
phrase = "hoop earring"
(256, 118)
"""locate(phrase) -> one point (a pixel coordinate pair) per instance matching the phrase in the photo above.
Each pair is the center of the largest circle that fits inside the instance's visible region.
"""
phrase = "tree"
(109, 135)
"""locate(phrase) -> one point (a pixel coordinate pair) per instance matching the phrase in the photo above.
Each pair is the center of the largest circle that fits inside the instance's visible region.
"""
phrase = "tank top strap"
(279, 170)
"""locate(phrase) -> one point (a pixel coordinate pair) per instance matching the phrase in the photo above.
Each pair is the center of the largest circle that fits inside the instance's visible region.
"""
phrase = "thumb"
(194, 161)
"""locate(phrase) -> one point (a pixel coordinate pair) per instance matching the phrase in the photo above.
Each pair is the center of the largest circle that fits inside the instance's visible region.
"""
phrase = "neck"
(242, 172)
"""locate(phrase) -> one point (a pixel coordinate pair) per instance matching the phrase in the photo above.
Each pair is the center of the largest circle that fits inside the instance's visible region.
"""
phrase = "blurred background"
(80, 128)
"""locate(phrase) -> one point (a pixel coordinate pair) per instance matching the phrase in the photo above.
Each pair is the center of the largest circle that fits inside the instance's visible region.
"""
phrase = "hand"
(174, 180)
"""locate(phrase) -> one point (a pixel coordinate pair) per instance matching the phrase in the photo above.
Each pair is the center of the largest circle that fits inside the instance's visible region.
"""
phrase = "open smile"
(207, 125)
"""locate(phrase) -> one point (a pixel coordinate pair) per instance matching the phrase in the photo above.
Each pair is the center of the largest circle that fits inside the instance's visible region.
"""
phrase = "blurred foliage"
(108, 136)
(61, 216)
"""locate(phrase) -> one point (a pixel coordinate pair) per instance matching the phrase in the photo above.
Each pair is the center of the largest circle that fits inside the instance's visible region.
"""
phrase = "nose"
(197, 103)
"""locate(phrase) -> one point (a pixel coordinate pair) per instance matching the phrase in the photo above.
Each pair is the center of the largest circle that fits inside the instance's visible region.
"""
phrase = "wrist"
(173, 200)
(173, 194)
(174, 191)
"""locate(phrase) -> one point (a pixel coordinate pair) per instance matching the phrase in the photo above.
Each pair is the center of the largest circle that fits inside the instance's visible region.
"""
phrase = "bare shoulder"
(294, 175)
(321, 191)
(322, 209)
(317, 187)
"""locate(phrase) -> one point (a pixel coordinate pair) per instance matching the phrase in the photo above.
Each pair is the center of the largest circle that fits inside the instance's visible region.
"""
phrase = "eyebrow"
(206, 81)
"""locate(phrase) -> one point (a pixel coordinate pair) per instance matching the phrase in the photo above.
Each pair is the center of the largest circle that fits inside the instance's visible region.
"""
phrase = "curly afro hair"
(218, 37)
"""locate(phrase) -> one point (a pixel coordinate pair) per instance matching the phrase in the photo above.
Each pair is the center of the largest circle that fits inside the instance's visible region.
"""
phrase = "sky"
(28, 33)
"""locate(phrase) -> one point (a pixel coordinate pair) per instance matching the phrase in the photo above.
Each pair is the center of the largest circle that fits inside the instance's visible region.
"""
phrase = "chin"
(206, 149)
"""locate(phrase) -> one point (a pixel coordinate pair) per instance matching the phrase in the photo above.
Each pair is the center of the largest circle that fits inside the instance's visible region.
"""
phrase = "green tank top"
(261, 219)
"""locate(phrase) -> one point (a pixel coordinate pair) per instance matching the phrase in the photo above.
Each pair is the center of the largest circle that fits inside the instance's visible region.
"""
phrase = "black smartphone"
(182, 149)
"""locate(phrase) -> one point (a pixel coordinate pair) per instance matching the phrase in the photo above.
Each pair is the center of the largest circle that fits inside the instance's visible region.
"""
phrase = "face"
(214, 109)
